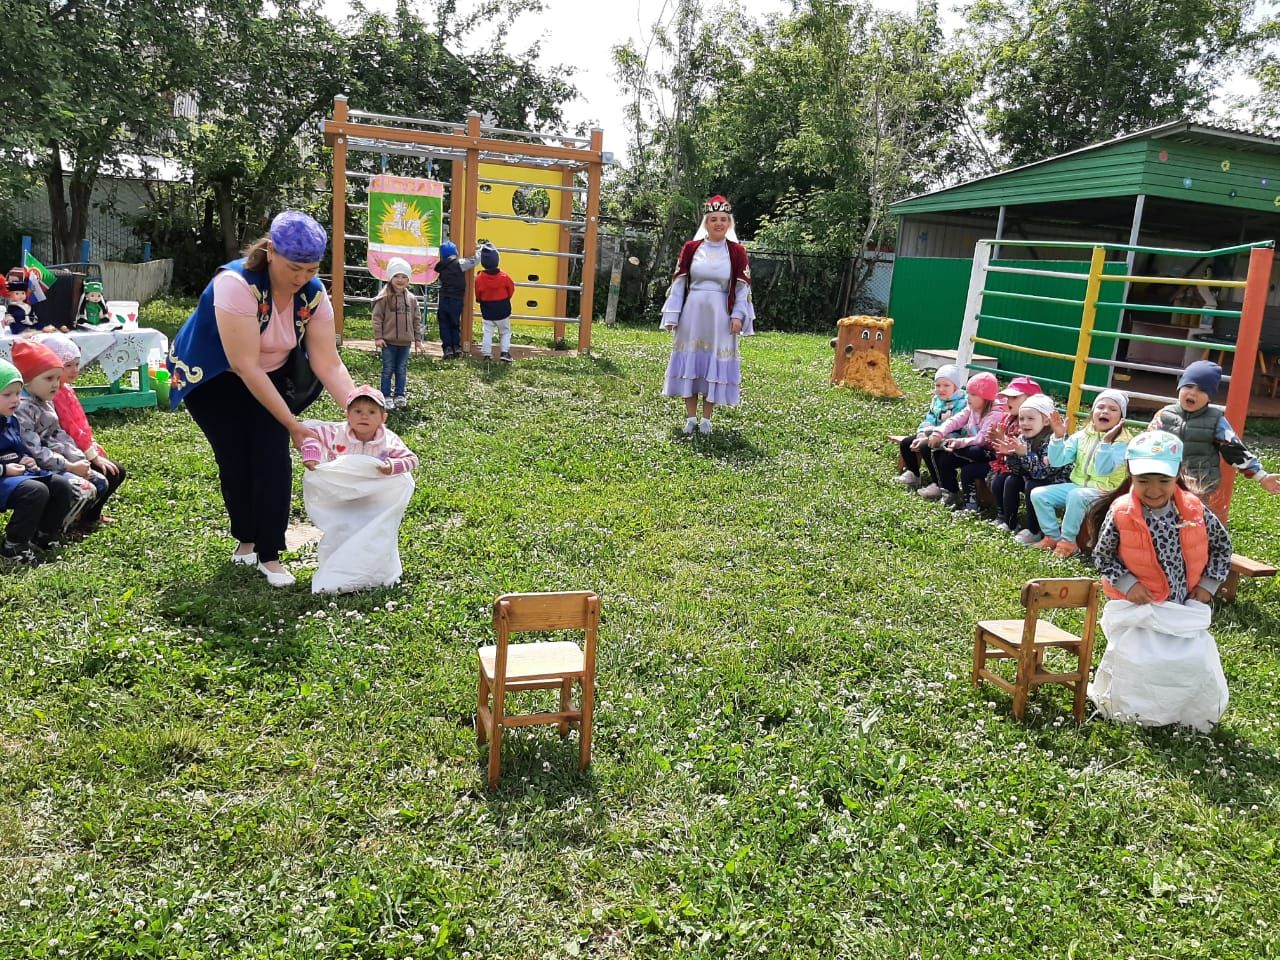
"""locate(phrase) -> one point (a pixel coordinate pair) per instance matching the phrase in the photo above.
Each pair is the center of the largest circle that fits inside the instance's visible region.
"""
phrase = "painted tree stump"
(862, 355)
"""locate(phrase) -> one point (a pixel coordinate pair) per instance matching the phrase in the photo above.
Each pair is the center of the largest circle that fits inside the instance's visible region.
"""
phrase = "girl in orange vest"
(1155, 540)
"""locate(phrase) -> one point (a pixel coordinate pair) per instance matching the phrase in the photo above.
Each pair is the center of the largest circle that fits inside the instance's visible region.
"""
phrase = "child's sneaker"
(1066, 548)
(970, 505)
(1002, 526)
(19, 553)
(1027, 538)
(690, 425)
(704, 426)
(49, 541)
(907, 478)
(401, 402)
(931, 492)
(505, 356)
(1046, 543)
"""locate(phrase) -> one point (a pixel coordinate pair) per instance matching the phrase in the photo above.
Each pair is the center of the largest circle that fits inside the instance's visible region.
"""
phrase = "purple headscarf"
(295, 236)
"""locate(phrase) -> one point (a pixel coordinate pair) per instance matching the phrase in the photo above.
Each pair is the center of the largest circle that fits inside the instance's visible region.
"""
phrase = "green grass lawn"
(789, 758)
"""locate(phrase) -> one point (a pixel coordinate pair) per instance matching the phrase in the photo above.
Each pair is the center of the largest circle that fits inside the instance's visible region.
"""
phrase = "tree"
(1062, 74)
(1261, 111)
(98, 82)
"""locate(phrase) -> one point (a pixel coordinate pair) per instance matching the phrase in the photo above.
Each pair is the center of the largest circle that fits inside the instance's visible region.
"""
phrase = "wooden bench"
(1242, 566)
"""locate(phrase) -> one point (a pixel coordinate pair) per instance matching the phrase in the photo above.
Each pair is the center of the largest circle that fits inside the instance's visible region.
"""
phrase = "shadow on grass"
(537, 765)
(1221, 768)
(727, 446)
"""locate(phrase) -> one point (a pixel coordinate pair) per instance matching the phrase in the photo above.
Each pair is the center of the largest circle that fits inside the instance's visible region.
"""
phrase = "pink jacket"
(970, 429)
(71, 416)
(336, 441)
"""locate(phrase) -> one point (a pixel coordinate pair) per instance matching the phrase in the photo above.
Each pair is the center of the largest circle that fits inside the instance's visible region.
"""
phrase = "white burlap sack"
(359, 511)
(1161, 666)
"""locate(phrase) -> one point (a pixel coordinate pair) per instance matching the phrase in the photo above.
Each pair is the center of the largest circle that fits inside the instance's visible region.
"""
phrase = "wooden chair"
(507, 668)
(1027, 640)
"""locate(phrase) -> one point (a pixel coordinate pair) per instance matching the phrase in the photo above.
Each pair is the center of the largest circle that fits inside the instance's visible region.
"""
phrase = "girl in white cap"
(397, 329)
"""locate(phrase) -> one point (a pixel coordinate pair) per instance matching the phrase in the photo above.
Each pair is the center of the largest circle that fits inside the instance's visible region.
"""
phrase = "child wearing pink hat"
(1009, 400)
(963, 444)
(363, 432)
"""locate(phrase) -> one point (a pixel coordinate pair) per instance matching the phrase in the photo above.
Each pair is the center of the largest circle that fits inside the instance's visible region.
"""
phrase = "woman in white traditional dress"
(708, 307)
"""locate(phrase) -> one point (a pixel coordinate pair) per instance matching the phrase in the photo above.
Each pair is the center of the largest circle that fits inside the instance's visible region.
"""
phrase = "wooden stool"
(508, 668)
(1027, 640)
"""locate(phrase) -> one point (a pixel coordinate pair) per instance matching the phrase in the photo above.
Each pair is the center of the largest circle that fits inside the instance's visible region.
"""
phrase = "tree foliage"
(1062, 74)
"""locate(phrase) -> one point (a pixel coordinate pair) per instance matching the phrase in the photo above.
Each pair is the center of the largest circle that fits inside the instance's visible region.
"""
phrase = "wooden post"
(589, 242)
(562, 267)
(1088, 314)
(1242, 366)
(338, 254)
(470, 204)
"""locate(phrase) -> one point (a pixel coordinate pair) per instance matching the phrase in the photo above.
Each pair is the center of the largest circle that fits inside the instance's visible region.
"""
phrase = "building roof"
(1181, 160)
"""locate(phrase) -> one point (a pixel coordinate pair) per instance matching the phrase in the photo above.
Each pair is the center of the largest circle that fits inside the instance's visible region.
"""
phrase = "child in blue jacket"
(948, 400)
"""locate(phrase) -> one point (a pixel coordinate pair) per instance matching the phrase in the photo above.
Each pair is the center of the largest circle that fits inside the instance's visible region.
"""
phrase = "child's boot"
(1066, 548)
(19, 553)
(505, 356)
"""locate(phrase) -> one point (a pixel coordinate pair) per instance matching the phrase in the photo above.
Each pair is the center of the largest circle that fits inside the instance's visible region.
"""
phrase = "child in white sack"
(357, 487)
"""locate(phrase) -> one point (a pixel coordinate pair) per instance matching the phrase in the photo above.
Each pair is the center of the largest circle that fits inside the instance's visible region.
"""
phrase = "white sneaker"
(690, 425)
(931, 492)
(704, 426)
(245, 559)
(907, 478)
(1002, 526)
(1026, 537)
(401, 402)
(282, 579)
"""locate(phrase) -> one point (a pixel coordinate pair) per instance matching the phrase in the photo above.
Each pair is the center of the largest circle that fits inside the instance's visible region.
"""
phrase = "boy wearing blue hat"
(1206, 434)
(453, 291)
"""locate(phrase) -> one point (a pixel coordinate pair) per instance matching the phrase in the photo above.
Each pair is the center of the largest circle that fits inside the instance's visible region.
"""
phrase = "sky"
(575, 33)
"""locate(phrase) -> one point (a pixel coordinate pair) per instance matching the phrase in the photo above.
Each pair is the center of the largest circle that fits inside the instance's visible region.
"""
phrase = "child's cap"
(1040, 403)
(1022, 387)
(951, 373)
(93, 286)
(297, 237)
(33, 359)
(364, 390)
(1121, 400)
(8, 374)
(489, 257)
(398, 265)
(983, 385)
(63, 346)
(1205, 374)
(1154, 451)
(448, 249)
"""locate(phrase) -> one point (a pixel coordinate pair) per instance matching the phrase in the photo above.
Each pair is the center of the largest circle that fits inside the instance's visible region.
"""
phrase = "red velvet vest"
(739, 266)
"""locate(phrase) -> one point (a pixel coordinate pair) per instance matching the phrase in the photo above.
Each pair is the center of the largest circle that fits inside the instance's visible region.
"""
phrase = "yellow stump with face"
(862, 355)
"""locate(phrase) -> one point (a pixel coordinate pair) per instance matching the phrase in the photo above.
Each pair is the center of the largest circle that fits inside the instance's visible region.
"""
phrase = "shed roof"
(1181, 160)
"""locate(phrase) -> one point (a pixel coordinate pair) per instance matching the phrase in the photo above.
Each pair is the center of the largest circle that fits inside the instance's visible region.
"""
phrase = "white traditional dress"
(704, 357)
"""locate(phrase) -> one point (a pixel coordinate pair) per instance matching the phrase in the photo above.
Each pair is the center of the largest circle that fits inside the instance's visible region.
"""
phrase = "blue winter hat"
(489, 257)
(448, 249)
(297, 237)
(1205, 374)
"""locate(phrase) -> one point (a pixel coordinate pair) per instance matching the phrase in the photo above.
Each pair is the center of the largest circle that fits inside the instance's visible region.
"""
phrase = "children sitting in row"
(40, 501)
(1207, 436)
(948, 400)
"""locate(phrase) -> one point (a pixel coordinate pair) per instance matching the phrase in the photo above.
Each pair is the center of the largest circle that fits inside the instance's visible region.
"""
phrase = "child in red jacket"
(494, 290)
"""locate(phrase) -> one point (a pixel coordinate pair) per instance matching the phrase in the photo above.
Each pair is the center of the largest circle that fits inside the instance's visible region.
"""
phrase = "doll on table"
(19, 317)
(93, 310)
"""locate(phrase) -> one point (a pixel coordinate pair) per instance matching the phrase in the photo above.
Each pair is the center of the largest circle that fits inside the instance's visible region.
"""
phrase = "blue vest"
(197, 355)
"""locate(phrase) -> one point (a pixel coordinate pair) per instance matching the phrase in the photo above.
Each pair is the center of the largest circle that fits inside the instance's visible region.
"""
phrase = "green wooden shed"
(1181, 185)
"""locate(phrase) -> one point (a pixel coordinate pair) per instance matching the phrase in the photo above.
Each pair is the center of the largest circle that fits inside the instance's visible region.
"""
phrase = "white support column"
(995, 254)
(973, 303)
(1135, 230)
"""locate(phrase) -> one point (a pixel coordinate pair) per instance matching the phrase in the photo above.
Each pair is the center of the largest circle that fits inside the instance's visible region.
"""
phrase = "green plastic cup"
(162, 389)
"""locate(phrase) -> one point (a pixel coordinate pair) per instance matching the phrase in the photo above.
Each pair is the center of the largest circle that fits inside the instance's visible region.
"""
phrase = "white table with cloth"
(116, 352)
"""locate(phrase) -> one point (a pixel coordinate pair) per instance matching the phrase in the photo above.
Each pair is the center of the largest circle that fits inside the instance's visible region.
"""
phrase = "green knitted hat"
(8, 374)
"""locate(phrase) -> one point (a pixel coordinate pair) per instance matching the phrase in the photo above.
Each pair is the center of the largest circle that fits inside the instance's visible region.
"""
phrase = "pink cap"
(984, 386)
(364, 390)
(1022, 386)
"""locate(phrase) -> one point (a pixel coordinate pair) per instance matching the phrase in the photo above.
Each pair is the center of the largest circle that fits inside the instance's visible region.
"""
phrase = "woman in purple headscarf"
(252, 356)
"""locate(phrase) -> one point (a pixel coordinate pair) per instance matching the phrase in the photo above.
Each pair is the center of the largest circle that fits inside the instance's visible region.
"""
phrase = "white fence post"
(973, 304)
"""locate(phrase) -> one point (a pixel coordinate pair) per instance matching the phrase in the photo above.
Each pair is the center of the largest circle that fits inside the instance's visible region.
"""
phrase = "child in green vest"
(1205, 433)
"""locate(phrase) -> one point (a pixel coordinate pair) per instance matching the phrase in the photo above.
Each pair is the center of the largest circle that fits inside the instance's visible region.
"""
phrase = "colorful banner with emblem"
(405, 215)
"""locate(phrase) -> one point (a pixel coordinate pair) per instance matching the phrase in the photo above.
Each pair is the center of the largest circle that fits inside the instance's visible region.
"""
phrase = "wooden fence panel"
(136, 281)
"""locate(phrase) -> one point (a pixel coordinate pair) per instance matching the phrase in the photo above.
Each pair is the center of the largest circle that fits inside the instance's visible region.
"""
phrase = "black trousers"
(972, 462)
(93, 512)
(251, 448)
(1008, 489)
(39, 505)
(914, 460)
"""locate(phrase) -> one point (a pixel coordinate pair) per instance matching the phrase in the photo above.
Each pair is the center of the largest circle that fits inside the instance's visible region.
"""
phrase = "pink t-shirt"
(232, 294)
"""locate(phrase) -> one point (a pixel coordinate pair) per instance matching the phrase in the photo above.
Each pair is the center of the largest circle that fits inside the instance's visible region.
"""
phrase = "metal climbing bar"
(1127, 247)
(539, 186)
(1018, 348)
(1144, 367)
(1166, 308)
(481, 215)
(1176, 281)
(1030, 272)
(549, 286)
(1169, 341)
(1034, 297)
(543, 253)
(1028, 323)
